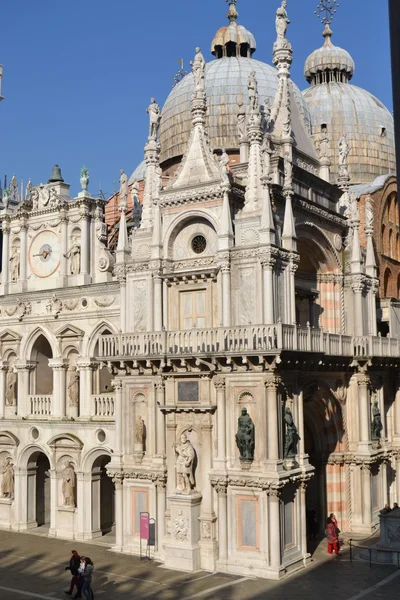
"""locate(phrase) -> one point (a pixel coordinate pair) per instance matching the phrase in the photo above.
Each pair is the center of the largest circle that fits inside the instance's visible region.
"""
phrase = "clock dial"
(45, 253)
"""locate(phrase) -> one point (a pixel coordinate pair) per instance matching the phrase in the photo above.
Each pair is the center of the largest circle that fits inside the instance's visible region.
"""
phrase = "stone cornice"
(71, 292)
(320, 212)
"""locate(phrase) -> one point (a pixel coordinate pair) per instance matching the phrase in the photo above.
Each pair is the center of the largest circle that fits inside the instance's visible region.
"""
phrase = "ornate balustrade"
(104, 406)
(40, 406)
(236, 340)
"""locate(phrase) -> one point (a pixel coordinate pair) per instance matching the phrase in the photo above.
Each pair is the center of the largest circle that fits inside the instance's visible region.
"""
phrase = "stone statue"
(292, 435)
(323, 146)
(288, 171)
(73, 386)
(369, 214)
(154, 113)
(11, 382)
(14, 264)
(6, 198)
(68, 485)
(282, 21)
(241, 122)
(253, 91)
(223, 167)
(199, 71)
(376, 427)
(245, 437)
(74, 253)
(353, 213)
(54, 305)
(266, 153)
(123, 190)
(139, 430)
(14, 195)
(84, 178)
(184, 465)
(28, 192)
(7, 482)
(35, 199)
(344, 150)
(267, 114)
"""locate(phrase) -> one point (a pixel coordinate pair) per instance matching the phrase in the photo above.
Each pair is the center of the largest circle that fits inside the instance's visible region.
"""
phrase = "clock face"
(45, 253)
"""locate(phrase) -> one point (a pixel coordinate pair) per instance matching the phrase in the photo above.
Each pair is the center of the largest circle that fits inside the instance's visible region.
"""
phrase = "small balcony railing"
(40, 406)
(104, 406)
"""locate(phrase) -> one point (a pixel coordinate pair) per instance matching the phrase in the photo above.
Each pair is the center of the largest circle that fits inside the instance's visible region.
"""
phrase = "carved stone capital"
(220, 383)
(272, 382)
(363, 380)
(117, 384)
(220, 484)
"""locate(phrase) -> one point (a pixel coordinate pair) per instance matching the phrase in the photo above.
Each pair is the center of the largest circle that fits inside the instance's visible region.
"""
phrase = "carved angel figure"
(199, 70)
(282, 20)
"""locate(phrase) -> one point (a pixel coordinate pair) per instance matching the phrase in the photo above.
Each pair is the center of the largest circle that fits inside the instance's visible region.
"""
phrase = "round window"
(101, 436)
(199, 244)
(84, 303)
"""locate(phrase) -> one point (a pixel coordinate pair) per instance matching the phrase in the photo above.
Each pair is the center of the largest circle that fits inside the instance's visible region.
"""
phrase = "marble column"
(300, 397)
(23, 402)
(303, 518)
(85, 243)
(364, 407)
(160, 422)
(5, 271)
(53, 501)
(222, 491)
(273, 415)
(119, 418)
(58, 408)
(161, 506)
(274, 530)
(226, 295)
(158, 305)
(119, 512)
(268, 291)
(366, 494)
(86, 407)
(23, 251)
(220, 386)
(3, 383)
(292, 291)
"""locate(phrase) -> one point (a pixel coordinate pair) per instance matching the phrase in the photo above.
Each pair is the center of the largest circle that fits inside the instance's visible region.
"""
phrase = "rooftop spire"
(232, 12)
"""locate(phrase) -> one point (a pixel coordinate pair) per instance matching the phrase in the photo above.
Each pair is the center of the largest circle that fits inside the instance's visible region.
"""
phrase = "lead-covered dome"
(337, 107)
(226, 82)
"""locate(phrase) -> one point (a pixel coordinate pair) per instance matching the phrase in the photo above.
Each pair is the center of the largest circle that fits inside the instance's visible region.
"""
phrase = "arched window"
(387, 284)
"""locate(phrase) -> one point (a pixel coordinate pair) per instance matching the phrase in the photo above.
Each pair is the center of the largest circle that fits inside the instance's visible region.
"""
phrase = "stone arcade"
(221, 367)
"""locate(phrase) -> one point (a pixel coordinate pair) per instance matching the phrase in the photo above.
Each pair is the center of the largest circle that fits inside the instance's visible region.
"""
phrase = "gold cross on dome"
(326, 10)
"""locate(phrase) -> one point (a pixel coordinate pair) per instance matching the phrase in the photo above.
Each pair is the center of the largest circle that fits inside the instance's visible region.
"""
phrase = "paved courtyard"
(32, 566)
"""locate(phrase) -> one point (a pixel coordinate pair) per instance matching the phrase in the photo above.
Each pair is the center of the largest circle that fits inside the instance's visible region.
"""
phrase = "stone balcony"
(255, 339)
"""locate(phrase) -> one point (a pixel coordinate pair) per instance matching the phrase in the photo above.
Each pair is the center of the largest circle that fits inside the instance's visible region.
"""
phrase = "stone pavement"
(32, 566)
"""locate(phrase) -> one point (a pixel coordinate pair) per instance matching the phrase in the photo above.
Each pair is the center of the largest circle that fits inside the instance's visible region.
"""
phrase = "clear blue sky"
(78, 74)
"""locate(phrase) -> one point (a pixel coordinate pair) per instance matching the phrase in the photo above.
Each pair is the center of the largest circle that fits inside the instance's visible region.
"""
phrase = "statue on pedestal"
(68, 485)
(245, 437)
(14, 264)
(184, 465)
(241, 122)
(292, 435)
(199, 70)
(7, 482)
(282, 21)
(84, 180)
(376, 426)
(74, 254)
(73, 386)
(223, 167)
(11, 383)
(252, 87)
(154, 113)
(344, 150)
(139, 430)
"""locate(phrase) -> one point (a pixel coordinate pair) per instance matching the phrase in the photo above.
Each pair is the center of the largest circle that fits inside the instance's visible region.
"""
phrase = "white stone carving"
(250, 237)
(185, 454)
(181, 527)
(154, 113)
(140, 305)
(199, 69)
(282, 21)
(73, 386)
(14, 264)
(68, 485)
(74, 254)
(7, 482)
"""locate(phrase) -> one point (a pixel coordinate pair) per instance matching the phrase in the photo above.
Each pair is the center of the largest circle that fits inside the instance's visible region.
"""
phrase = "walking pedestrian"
(87, 579)
(73, 566)
(79, 583)
(332, 537)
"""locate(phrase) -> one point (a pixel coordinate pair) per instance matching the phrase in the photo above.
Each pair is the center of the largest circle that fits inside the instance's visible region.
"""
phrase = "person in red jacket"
(332, 537)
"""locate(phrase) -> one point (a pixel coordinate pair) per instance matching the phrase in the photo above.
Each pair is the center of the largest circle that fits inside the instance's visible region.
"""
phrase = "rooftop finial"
(232, 12)
(326, 10)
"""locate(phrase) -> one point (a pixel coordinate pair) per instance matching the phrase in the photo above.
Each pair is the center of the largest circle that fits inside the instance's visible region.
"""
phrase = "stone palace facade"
(232, 361)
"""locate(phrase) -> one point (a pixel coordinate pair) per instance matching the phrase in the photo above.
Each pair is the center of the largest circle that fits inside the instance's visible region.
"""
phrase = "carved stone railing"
(267, 339)
(40, 406)
(104, 406)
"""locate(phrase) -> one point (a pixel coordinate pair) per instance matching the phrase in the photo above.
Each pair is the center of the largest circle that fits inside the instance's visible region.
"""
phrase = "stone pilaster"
(272, 382)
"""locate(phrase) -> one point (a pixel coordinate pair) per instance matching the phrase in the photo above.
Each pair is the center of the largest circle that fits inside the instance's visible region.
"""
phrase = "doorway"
(103, 498)
(39, 494)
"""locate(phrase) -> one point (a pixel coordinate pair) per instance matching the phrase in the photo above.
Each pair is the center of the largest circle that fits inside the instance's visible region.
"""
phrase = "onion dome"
(329, 63)
(234, 39)
(339, 108)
